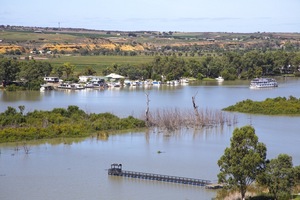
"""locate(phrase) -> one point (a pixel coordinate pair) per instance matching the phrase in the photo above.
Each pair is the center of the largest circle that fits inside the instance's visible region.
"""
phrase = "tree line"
(230, 65)
(28, 75)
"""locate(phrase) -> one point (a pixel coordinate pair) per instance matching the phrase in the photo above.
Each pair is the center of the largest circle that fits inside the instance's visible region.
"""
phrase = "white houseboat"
(263, 83)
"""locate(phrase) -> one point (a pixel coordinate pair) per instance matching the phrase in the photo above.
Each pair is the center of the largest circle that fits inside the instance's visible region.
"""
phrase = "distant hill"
(20, 39)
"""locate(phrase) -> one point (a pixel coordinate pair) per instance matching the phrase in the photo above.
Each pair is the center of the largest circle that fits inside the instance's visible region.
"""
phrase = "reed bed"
(173, 119)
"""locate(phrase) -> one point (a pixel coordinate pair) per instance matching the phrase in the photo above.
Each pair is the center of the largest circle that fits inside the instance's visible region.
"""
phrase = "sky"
(245, 16)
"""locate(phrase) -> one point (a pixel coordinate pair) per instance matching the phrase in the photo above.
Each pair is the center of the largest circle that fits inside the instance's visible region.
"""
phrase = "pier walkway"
(116, 170)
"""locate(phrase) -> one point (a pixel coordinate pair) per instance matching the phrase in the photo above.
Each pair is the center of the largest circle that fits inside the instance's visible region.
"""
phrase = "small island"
(60, 122)
(270, 106)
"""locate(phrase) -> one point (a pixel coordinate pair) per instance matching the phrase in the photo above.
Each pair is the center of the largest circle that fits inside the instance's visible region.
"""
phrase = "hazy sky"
(156, 15)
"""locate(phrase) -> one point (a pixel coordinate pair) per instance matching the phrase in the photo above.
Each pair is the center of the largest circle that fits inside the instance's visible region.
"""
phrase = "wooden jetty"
(116, 170)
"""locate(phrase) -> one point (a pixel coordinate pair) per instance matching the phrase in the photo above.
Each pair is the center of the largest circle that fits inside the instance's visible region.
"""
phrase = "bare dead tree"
(196, 109)
(26, 148)
(17, 147)
(174, 119)
(147, 114)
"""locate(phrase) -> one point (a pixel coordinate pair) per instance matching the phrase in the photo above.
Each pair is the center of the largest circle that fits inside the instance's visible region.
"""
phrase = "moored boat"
(77, 86)
(220, 79)
(263, 83)
(72, 86)
(155, 82)
(65, 85)
(46, 87)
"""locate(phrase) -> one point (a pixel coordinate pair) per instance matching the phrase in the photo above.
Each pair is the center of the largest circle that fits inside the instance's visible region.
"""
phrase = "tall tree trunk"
(147, 111)
(243, 192)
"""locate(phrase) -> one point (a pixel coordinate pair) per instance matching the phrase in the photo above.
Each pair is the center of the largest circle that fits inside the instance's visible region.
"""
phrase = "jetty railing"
(116, 170)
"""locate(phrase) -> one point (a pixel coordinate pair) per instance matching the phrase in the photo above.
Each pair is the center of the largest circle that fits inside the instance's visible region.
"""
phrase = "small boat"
(89, 85)
(127, 82)
(77, 86)
(263, 83)
(72, 86)
(46, 87)
(156, 82)
(184, 80)
(92, 85)
(220, 79)
(65, 85)
(116, 84)
(173, 82)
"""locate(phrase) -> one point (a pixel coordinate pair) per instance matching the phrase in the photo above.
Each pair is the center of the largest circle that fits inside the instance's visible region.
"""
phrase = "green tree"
(88, 71)
(278, 176)
(193, 67)
(69, 69)
(243, 160)
(59, 71)
(297, 174)
(8, 70)
(34, 70)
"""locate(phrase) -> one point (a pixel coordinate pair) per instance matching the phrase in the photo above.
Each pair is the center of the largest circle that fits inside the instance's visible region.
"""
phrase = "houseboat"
(51, 79)
(263, 83)
(72, 86)
(46, 87)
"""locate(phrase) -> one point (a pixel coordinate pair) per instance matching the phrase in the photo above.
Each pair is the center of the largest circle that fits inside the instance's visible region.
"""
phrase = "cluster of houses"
(102, 82)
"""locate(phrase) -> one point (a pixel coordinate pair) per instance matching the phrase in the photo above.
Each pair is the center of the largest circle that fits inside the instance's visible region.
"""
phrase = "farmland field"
(99, 62)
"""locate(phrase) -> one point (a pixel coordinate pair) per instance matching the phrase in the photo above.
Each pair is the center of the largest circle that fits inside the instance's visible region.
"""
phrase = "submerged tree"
(243, 160)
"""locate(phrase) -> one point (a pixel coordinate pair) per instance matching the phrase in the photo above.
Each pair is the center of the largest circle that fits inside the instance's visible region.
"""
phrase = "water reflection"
(19, 96)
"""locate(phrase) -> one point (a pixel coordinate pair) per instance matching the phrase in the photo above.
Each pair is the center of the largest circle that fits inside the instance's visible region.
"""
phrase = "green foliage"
(34, 70)
(11, 118)
(275, 106)
(243, 161)
(297, 174)
(230, 65)
(69, 69)
(88, 71)
(12, 88)
(9, 69)
(278, 177)
(60, 122)
(108, 121)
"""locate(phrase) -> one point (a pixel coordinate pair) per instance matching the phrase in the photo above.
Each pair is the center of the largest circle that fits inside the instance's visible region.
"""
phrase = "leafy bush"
(60, 122)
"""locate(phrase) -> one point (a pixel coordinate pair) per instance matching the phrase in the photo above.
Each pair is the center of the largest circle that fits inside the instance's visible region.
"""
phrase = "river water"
(77, 169)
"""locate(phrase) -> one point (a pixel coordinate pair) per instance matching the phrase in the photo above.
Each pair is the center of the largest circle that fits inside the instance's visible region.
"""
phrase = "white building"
(85, 79)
